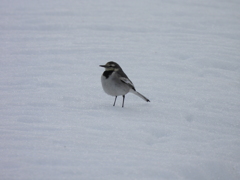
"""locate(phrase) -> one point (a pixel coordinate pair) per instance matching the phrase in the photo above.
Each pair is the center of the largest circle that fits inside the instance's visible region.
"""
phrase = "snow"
(56, 121)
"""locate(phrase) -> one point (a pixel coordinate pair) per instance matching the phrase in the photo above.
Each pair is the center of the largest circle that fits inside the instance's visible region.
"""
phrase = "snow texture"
(56, 121)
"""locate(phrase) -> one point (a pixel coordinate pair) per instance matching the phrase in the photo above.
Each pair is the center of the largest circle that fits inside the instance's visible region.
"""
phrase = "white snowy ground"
(57, 123)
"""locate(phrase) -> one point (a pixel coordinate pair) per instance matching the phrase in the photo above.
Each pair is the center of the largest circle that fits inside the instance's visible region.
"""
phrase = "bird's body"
(116, 83)
(112, 85)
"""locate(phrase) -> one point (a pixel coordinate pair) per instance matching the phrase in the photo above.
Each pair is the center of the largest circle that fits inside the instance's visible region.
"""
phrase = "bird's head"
(111, 66)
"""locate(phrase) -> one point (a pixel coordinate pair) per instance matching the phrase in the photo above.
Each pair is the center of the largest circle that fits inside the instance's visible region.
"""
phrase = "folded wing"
(128, 82)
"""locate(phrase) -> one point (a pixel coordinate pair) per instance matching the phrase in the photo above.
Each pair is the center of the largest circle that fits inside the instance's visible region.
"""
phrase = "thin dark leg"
(115, 101)
(123, 100)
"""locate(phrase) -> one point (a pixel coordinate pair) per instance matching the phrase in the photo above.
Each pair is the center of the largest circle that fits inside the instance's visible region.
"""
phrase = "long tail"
(139, 95)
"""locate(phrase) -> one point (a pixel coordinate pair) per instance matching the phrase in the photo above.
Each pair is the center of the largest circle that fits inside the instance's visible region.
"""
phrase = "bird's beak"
(102, 66)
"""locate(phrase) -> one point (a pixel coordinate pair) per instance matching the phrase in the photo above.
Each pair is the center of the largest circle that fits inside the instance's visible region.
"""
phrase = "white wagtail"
(115, 82)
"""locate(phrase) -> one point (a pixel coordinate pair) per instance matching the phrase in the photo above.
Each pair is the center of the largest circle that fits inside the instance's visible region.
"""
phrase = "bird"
(116, 83)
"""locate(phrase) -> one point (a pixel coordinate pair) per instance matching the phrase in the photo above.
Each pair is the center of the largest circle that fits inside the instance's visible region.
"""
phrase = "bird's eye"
(112, 65)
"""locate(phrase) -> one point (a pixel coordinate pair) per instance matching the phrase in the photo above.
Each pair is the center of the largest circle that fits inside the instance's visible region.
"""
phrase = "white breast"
(113, 86)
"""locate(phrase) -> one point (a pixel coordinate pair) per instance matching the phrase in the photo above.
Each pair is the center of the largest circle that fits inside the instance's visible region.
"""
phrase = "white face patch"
(111, 66)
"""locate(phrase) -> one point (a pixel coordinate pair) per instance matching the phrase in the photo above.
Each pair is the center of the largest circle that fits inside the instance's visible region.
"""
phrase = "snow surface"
(56, 121)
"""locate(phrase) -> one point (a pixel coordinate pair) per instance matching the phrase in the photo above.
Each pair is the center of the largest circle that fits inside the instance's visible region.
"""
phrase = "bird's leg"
(115, 101)
(123, 100)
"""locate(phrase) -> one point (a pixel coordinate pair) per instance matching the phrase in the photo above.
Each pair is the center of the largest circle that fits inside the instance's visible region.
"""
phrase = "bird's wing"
(128, 82)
